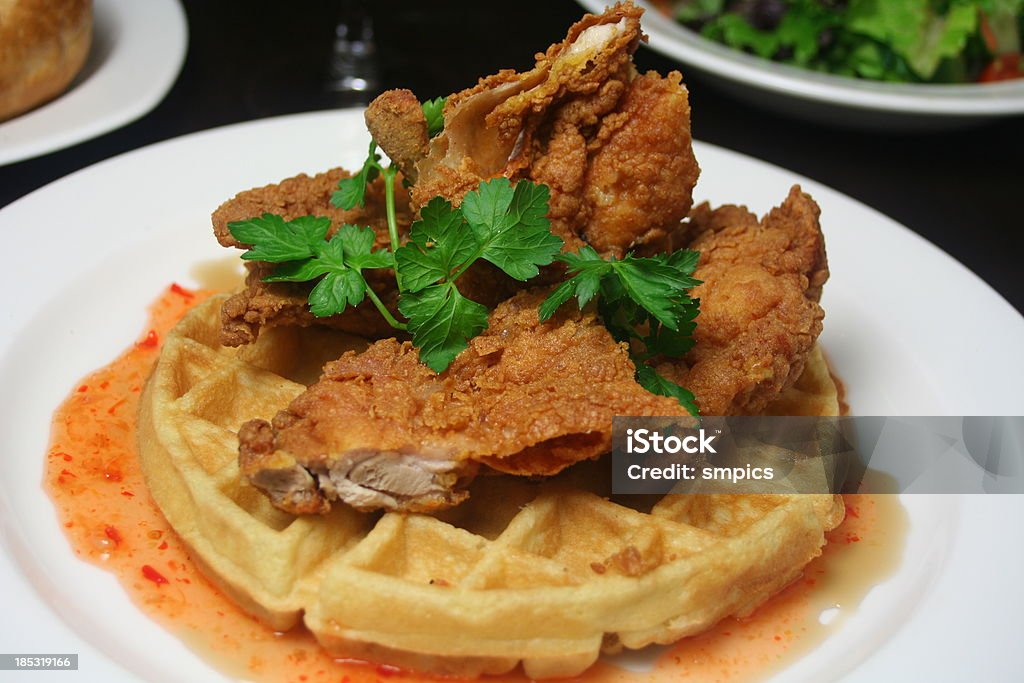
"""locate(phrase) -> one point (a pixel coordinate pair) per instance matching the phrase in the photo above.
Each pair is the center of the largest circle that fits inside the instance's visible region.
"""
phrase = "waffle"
(549, 574)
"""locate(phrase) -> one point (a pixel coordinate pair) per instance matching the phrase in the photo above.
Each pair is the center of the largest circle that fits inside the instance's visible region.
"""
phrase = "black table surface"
(961, 189)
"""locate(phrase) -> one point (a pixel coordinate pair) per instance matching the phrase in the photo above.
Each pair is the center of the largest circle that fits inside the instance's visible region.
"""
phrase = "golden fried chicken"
(613, 147)
(397, 117)
(269, 304)
(262, 304)
(759, 303)
(272, 304)
(304, 195)
(381, 430)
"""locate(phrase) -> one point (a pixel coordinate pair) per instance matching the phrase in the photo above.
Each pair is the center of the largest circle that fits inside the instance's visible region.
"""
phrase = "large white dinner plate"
(909, 329)
(137, 51)
(826, 97)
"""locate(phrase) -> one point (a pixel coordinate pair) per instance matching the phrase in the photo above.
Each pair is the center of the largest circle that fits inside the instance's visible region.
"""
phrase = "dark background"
(961, 189)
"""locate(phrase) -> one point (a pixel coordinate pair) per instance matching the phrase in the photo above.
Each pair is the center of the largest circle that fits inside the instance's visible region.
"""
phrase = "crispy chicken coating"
(759, 303)
(270, 304)
(304, 195)
(396, 116)
(613, 147)
(263, 304)
(640, 179)
(380, 429)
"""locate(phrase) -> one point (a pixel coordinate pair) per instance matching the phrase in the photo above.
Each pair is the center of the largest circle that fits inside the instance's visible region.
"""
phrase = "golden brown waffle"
(548, 574)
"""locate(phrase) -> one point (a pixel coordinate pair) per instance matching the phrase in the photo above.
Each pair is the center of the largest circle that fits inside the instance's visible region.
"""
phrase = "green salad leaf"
(892, 40)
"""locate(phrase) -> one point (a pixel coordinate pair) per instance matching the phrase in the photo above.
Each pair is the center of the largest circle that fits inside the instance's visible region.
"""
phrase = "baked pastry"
(43, 46)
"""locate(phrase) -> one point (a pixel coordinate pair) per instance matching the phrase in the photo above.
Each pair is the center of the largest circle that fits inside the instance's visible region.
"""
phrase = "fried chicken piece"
(272, 304)
(396, 116)
(262, 304)
(269, 304)
(759, 307)
(304, 195)
(640, 181)
(381, 430)
(614, 148)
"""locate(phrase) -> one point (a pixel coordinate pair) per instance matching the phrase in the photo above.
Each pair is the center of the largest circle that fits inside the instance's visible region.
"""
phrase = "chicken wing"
(760, 315)
(381, 430)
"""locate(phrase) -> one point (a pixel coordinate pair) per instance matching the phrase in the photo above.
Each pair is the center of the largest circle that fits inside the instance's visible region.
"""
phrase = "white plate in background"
(824, 97)
(137, 52)
(909, 329)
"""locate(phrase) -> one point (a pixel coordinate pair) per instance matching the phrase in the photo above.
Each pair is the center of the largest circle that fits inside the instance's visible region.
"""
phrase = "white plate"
(825, 97)
(909, 329)
(137, 51)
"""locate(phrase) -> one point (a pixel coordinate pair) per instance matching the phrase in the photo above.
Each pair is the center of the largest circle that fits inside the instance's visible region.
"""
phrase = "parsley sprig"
(304, 253)
(497, 222)
(351, 191)
(644, 301)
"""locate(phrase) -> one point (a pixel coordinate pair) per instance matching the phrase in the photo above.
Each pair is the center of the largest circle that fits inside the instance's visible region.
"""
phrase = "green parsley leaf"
(338, 290)
(433, 110)
(352, 190)
(501, 224)
(274, 240)
(657, 286)
(441, 321)
(642, 301)
(684, 260)
(439, 243)
(299, 271)
(512, 226)
(650, 380)
(664, 341)
(590, 268)
(356, 244)
(303, 254)
(562, 293)
(486, 206)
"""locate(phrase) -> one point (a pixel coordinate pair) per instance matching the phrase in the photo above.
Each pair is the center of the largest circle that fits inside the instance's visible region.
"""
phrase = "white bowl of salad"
(868, 63)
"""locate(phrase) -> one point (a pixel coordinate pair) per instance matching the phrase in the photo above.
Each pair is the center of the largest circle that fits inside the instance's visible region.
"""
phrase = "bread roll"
(43, 44)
